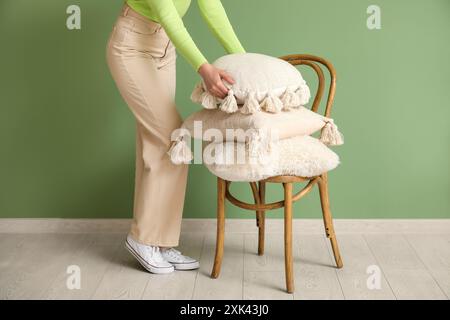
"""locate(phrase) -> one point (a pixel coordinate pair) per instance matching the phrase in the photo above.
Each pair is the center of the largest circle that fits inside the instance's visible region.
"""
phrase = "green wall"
(67, 138)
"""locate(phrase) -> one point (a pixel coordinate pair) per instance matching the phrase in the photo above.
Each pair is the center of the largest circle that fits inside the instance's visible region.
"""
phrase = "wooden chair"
(258, 188)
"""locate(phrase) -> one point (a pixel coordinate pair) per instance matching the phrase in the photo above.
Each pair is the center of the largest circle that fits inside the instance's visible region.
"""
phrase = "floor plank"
(93, 261)
(264, 275)
(357, 258)
(124, 279)
(413, 266)
(273, 258)
(36, 265)
(10, 247)
(315, 272)
(434, 251)
(229, 285)
(405, 272)
(178, 284)
(265, 285)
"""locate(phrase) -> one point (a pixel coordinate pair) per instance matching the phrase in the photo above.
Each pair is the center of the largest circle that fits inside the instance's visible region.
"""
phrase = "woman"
(141, 57)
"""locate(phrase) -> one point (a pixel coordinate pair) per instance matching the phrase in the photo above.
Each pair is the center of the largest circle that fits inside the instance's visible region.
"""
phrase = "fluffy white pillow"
(303, 156)
(261, 82)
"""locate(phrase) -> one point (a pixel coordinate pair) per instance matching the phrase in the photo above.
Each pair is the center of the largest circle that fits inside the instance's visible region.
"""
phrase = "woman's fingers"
(214, 79)
(227, 77)
(222, 89)
(216, 92)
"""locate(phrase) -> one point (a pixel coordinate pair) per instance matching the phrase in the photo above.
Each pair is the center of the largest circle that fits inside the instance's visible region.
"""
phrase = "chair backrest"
(317, 63)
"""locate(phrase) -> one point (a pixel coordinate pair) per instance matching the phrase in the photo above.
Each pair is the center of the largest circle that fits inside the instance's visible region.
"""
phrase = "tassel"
(251, 105)
(272, 103)
(209, 101)
(260, 146)
(304, 94)
(180, 152)
(196, 95)
(255, 143)
(229, 104)
(330, 134)
(290, 99)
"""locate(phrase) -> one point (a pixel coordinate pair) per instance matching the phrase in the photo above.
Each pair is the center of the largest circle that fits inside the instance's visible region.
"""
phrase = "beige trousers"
(141, 59)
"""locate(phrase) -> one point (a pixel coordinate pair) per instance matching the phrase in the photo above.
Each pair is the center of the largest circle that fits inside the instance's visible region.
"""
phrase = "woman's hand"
(212, 77)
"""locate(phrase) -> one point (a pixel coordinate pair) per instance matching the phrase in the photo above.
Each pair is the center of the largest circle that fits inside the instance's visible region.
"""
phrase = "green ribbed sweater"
(169, 14)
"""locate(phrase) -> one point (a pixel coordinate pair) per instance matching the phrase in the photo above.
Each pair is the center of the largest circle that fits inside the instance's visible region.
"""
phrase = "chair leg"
(327, 218)
(220, 227)
(289, 263)
(261, 218)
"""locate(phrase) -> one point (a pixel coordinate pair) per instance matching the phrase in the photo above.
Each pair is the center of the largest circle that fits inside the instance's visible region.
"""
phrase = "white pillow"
(302, 156)
(286, 124)
(261, 82)
(259, 129)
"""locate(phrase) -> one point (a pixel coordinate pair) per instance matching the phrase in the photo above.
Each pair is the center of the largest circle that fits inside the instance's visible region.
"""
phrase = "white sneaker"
(179, 261)
(148, 256)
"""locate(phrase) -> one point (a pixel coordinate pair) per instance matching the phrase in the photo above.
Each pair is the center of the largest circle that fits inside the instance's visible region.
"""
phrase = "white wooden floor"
(413, 265)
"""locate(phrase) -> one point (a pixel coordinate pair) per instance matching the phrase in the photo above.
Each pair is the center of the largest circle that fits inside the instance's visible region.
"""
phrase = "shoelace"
(155, 253)
(174, 253)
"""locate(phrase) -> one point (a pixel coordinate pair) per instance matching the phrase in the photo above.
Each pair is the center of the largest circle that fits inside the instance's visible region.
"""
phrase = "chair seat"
(302, 156)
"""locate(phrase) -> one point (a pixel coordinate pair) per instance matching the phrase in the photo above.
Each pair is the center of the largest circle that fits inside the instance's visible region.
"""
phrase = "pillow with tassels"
(261, 129)
(262, 83)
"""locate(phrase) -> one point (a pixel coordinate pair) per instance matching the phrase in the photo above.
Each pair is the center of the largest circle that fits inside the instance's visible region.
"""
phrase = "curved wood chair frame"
(259, 187)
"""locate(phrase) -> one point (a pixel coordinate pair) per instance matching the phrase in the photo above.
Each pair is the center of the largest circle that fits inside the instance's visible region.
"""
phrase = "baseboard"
(307, 226)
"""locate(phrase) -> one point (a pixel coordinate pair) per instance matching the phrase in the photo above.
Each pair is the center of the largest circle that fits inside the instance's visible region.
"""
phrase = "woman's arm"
(169, 18)
(172, 23)
(217, 21)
